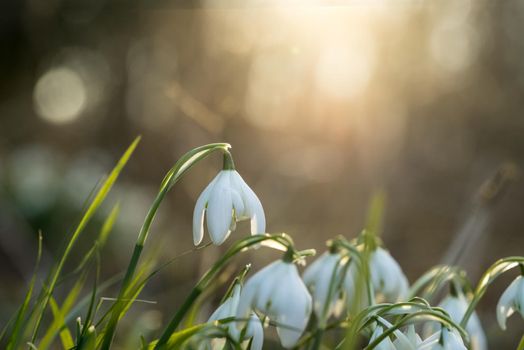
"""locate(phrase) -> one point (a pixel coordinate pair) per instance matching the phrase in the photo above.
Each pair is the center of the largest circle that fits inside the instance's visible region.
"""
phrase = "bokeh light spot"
(60, 95)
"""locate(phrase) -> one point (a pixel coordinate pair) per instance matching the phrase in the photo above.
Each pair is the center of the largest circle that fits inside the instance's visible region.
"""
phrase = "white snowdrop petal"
(519, 298)
(253, 207)
(505, 306)
(258, 218)
(387, 276)
(454, 341)
(198, 219)
(236, 193)
(256, 289)
(199, 211)
(219, 213)
(319, 277)
(314, 269)
(293, 315)
(256, 332)
(238, 205)
(246, 298)
(412, 335)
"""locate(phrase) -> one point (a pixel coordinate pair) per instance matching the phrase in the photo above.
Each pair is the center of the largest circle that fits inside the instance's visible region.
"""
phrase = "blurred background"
(322, 101)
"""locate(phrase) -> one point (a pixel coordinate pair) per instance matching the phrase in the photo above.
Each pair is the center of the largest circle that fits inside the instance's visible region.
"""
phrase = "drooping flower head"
(226, 200)
(387, 277)
(511, 300)
(277, 292)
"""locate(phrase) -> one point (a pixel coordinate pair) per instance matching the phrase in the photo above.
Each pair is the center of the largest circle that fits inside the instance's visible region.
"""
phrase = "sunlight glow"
(343, 72)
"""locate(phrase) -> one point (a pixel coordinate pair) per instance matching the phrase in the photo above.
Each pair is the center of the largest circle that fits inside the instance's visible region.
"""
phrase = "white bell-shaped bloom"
(387, 277)
(224, 201)
(511, 300)
(443, 340)
(278, 292)
(456, 306)
(227, 310)
(323, 278)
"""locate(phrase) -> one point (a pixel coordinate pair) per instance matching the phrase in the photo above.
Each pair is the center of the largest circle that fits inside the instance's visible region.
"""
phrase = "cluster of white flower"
(331, 284)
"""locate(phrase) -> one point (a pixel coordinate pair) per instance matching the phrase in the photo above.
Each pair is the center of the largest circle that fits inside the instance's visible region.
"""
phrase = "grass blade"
(18, 328)
(91, 210)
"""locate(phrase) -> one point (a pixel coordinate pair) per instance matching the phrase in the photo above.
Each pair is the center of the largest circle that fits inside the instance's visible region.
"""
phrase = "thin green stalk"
(20, 317)
(497, 269)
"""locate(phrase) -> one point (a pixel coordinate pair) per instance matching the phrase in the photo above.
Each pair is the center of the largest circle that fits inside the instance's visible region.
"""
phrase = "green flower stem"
(497, 269)
(209, 276)
(187, 161)
(317, 340)
(229, 164)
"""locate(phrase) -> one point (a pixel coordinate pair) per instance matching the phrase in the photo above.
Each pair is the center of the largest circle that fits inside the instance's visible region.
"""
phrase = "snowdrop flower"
(387, 276)
(511, 300)
(323, 277)
(226, 200)
(278, 292)
(443, 340)
(456, 306)
(228, 309)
